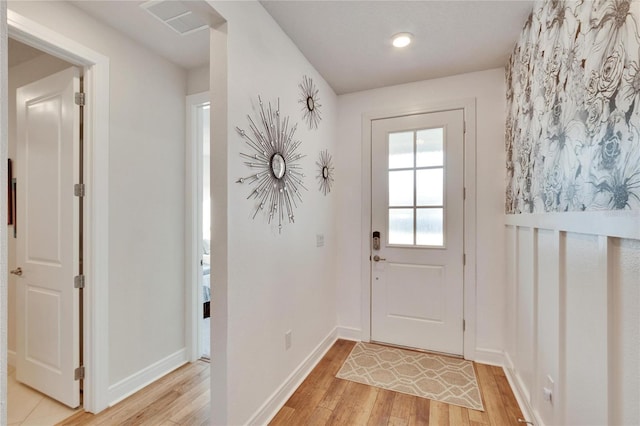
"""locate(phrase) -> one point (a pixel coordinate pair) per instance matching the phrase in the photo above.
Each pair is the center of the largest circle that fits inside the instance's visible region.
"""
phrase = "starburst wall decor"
(310, 102)
(325, 172)
(278, 178)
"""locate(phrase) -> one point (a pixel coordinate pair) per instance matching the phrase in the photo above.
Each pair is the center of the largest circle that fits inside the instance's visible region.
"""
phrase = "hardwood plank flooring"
(183, 398)
(322, 399)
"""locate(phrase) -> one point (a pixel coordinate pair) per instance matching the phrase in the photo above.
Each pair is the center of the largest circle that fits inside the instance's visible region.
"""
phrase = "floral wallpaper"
(573, 109)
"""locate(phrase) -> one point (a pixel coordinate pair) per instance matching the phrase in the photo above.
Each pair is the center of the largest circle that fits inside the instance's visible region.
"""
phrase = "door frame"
(96, 202)
(468, 106)
(193, 227)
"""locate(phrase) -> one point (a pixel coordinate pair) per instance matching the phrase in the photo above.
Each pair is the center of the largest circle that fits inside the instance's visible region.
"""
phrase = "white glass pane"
(429, 144)
(400, 150)
(401, 226)
(430, 229)
(401, 188)
(429, 187)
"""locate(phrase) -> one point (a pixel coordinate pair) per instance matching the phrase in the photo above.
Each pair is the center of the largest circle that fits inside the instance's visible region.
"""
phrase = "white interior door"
(48, 346)
(417, 207)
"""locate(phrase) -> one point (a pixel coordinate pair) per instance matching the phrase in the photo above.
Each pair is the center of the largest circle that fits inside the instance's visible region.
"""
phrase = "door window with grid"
(416, 188)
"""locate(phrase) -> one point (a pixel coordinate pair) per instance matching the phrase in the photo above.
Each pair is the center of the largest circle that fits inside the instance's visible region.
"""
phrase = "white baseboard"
(130, 385)
(520, 392)
(489, 356)
(274, 403)
(349, 333)
(11, 358)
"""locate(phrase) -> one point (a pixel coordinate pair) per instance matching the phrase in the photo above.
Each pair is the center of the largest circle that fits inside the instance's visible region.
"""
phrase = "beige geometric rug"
(436, 377)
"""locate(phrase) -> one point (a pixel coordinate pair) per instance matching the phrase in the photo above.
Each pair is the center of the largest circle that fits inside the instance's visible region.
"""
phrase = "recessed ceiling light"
(402, 39)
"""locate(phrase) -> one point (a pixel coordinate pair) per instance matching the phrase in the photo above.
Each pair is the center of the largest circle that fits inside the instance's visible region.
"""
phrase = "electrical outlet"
(287, 339)
(319, 240)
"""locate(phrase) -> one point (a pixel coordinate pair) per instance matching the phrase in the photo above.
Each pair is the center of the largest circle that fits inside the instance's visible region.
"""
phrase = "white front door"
(47, 306)
(417, 209)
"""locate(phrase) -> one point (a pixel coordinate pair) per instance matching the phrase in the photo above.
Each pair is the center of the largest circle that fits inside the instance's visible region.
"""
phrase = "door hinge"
(464, 259)
(464, 127)
(80, 98)
(464, 325)
(78, 281)
(464, 193)
(78, 190)
(78, 373)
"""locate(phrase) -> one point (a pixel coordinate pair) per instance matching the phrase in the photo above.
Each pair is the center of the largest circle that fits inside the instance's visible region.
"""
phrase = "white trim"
(468, 105)
(96, 224)
(612, 223)
(489, 356)
(274, 403)
(521, 395)
(132, 384)
(349, 333)
(193, 228)
(4, 273)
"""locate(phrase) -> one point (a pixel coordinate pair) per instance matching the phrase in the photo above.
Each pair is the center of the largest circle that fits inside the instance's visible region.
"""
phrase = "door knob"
(377, 258)
(17, 271)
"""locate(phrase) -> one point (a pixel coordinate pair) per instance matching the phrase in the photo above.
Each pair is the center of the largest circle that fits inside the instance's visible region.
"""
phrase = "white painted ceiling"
(188, 51)
(348, 41)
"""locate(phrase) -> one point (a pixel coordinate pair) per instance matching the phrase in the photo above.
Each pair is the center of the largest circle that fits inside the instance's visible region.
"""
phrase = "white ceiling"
(348, 41)
(188, 51)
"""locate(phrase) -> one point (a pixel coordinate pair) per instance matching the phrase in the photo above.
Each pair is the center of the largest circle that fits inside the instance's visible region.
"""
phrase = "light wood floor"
(179, 398)
(182, 398)
(324, 400)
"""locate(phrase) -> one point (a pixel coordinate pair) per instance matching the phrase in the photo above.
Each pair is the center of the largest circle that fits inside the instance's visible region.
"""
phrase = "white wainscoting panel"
(573, 321)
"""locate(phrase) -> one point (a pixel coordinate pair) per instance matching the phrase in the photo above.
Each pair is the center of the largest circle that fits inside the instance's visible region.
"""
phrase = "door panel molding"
(468, 105)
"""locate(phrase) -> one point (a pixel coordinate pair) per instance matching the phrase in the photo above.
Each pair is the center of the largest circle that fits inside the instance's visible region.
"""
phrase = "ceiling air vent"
(175, 15)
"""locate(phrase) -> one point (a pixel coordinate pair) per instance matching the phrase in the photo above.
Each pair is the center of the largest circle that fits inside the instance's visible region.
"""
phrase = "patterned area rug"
(425, 375)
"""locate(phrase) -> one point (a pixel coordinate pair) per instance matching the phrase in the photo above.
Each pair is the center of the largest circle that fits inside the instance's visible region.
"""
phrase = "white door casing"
(48, 345)
(417, 286)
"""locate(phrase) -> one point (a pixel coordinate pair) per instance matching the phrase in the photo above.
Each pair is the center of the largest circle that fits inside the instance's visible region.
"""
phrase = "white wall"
(573, 315)
(19, 75)
(488, 89)
(198, 80)
(276, 282)
(146, 181)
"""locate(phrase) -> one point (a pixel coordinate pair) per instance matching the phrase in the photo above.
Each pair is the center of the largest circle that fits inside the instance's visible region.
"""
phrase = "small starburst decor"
(278, 179)
(325, 172)
(310, 102)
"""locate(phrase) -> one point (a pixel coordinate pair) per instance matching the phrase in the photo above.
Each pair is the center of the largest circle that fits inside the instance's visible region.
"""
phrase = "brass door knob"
(17, 271)
(377, 258)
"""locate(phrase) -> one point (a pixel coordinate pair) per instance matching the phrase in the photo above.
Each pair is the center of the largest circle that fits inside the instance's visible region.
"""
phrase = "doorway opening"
(408, 222)
(44, 244)
(198, 232)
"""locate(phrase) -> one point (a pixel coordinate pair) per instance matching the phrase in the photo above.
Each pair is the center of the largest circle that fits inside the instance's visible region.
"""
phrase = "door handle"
(17, 271)
(377, 258)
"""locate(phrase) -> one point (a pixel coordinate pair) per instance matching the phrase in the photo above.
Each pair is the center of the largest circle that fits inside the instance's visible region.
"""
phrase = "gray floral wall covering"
(573, 109)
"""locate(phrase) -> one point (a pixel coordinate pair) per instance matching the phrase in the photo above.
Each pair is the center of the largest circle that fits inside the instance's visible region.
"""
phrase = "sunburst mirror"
(277, 179)
(325, 172)
(310, 102)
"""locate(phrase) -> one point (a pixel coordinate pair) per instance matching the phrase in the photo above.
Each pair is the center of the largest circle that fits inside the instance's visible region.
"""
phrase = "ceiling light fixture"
(402, 39)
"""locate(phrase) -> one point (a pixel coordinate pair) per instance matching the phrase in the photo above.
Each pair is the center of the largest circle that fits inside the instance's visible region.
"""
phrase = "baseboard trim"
(489, 356)
(11, 358)
(349, 333)
(276, 401)
(520, 393)
(132, 384)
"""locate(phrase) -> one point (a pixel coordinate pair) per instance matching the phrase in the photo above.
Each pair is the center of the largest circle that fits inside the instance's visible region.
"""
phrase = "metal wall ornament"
(325, 172)
(310, 102)
(278, 179)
